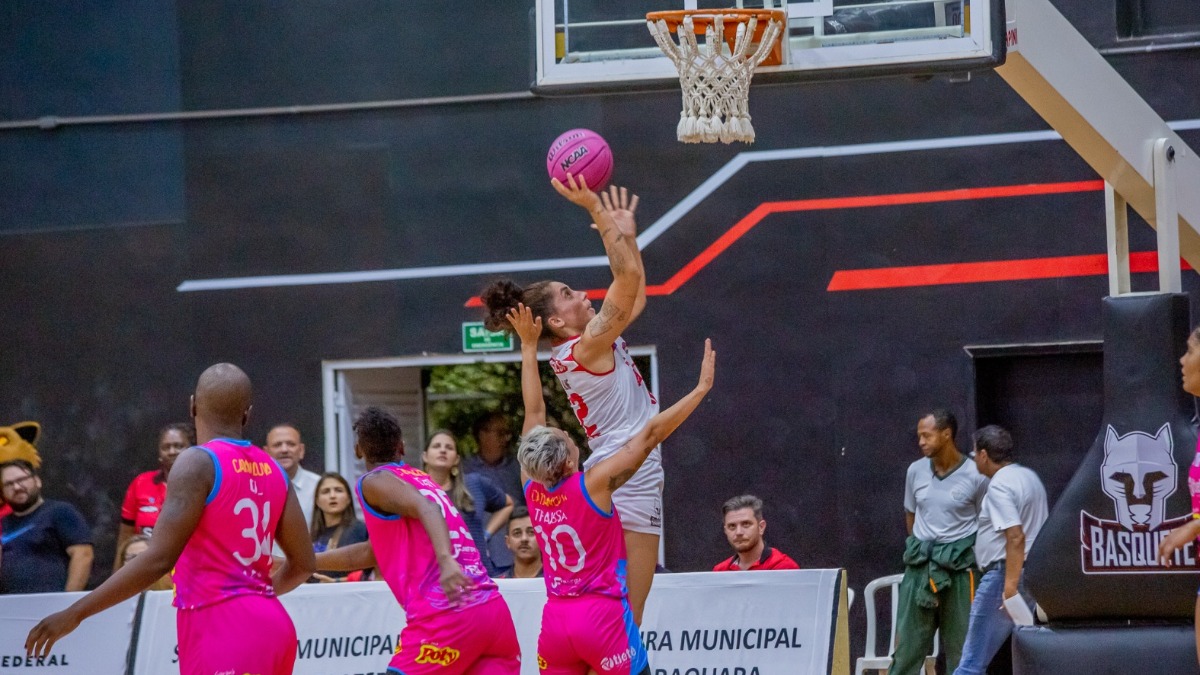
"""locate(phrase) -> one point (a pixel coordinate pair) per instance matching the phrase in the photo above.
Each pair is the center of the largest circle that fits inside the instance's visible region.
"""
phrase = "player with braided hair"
(594, 366)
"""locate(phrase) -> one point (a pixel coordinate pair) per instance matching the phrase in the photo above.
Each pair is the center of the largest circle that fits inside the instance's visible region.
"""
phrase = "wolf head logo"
(1139, 473)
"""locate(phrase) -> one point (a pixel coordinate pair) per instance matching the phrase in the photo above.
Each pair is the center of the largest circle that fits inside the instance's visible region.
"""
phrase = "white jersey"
(612, 407)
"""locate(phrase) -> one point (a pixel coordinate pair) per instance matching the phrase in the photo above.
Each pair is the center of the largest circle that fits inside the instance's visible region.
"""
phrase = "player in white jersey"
(597, 373)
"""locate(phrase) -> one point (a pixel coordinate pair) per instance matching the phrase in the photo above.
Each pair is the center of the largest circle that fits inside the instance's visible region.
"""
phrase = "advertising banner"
(98, 645)
(760, 623)
(343, 629)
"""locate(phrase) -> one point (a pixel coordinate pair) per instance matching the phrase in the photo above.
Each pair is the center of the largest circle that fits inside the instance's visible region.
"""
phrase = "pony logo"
(1138, 474)
(441, 656)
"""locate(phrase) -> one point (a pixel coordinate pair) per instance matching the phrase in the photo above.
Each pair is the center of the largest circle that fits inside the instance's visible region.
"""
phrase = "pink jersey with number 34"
(229, 554)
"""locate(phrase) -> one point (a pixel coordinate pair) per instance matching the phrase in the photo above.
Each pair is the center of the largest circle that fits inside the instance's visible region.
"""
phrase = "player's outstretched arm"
(358, 556)
(387, 493)
(606, 476)
(621, 206)
(188, 486)
(594, 350)
(294, 539)
(529, 330)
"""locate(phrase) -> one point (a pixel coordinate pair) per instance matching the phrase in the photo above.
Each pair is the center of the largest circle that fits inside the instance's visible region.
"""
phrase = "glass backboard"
(603, 45)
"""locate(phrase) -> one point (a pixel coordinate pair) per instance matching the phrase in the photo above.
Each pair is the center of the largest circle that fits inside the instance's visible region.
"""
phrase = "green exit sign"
(476, 338)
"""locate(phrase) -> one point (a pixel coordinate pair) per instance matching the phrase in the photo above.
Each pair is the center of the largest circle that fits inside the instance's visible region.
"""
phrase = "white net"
(715, 80)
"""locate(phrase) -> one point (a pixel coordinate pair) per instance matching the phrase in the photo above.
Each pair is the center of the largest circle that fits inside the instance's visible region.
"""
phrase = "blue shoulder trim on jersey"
(588, 497)
(367, 507)
(212, 494)
(287, 482)
(234, 441)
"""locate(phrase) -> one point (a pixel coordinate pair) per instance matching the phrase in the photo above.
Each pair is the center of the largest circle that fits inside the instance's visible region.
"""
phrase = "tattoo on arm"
(614, 240)
(618, 262)
(609, 313)
(620, 479)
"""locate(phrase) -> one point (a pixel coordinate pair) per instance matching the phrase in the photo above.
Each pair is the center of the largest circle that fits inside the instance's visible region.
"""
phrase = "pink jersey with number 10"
(406, 557)
(229, 554)
(583, 546)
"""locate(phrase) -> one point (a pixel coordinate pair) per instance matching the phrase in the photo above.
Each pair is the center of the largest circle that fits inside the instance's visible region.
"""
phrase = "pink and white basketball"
(580, 152)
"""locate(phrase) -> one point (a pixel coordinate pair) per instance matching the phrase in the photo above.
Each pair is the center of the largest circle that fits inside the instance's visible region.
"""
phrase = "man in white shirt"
(1014, 510)
(942, 495)
(284, 444)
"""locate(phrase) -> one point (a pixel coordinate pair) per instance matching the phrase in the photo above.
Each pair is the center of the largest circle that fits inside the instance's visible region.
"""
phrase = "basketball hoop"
(715, 76)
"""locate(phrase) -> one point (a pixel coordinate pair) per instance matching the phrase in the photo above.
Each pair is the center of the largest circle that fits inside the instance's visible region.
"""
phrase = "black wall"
(818, 392)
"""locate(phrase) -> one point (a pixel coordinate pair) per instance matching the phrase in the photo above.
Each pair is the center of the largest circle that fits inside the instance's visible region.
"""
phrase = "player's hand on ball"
(50, 630)
(527, 328)
(621, 206)
(577, 192)
(454, 582)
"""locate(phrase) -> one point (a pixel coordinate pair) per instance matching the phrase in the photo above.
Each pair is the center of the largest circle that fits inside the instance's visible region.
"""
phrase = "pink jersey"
(405, 555)
(229, 554)
(1194, 482)
(612, 406)
(583, 547)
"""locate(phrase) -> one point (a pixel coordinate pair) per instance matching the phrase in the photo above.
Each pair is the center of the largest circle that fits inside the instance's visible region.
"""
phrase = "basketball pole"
(1062, 77)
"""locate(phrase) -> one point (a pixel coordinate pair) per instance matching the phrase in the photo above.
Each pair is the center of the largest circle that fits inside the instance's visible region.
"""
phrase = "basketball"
(582, 153)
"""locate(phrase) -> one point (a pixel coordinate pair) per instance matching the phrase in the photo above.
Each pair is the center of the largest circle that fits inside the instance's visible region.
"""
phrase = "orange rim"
(703, 18)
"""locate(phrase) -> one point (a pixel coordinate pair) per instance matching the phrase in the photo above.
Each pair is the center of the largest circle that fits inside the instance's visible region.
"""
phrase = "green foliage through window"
(458, 395)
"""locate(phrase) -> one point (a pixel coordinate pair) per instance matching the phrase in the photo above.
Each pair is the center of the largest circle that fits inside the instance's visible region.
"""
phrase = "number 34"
(261, 541)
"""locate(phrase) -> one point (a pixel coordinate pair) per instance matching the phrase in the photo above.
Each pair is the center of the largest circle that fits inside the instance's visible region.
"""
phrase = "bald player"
(227, 502)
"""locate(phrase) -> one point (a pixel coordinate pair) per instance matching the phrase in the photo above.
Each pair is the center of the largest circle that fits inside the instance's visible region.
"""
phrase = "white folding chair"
(869, 660)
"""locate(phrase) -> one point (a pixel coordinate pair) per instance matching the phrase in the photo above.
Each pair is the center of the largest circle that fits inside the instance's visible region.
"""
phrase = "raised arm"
(529, 330)
(621, 206)
(606, 476)
(188, 486)
(594, 350)
(386, 493)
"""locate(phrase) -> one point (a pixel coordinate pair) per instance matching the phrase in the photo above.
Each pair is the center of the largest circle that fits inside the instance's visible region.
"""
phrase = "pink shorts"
(244, 634)
(480, 640)
(590, 632)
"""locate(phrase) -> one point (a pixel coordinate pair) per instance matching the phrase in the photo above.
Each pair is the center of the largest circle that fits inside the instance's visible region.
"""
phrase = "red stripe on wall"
(981, 272)
(765, 209)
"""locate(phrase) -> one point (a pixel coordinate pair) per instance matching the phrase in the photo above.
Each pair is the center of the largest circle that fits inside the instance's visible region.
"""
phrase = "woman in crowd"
(147, 492)
(132, 548)
(473, 494)
(335, 520)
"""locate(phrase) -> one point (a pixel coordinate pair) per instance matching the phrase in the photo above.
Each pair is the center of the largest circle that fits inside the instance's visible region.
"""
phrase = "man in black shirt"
(47, 545)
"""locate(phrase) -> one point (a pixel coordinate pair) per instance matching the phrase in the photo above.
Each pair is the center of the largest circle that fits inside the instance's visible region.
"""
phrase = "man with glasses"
(47, 545)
